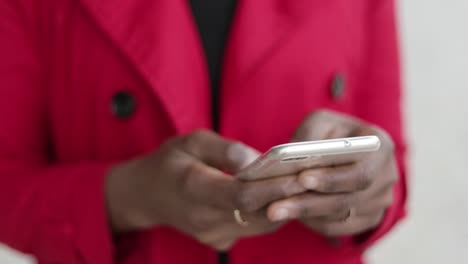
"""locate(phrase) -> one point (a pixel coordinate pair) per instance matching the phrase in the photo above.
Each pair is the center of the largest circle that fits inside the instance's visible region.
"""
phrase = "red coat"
(63, 62)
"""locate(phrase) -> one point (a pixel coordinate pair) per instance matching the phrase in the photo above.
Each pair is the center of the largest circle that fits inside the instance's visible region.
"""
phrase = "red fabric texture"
(64, 60)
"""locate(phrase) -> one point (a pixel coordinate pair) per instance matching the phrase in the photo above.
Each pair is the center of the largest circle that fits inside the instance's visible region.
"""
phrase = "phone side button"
(347, 143)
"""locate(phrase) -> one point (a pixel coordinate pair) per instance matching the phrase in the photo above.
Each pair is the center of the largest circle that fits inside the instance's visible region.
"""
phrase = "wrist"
(124, 199)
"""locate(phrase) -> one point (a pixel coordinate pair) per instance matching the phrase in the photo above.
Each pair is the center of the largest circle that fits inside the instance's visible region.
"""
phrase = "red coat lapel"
(259, 29)
(160, 40)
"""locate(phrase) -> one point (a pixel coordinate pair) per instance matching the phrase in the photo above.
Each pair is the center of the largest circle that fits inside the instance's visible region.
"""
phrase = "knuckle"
(329, 183)
(342, 203)
(190, 177)
(244, 199)
(289, 187)
(301, 210)
(193, 171)
(192, 142)
(307, 212)
(363, 178)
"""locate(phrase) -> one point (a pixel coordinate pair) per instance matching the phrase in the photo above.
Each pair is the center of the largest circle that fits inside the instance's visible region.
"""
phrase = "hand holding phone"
(343, 198)
(292, 158)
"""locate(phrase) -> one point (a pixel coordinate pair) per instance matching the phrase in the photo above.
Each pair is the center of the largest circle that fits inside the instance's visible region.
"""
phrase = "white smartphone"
(292, 158)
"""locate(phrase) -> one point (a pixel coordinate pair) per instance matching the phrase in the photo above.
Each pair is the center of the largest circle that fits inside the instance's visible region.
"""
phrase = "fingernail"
(280, 214)
(310, 182)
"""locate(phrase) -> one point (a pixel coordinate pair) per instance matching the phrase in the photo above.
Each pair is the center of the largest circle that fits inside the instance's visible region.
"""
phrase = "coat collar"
(259, 28)
(161, 41)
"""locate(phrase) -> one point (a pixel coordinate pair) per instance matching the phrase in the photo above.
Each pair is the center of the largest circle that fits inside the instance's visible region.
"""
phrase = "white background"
(435, 47)
(435, 38)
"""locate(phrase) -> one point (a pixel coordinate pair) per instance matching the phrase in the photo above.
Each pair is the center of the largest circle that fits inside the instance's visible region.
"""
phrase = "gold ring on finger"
(239, 219)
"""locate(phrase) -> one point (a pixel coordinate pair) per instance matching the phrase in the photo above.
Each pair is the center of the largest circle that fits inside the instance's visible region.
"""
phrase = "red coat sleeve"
(55, 212)
(381, 88)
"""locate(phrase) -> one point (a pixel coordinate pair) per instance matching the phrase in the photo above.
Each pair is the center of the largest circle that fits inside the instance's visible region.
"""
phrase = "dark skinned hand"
(183, 185)
(344, 199)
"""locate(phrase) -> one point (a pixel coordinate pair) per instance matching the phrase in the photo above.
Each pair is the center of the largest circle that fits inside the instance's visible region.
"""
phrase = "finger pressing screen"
(322, 125)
